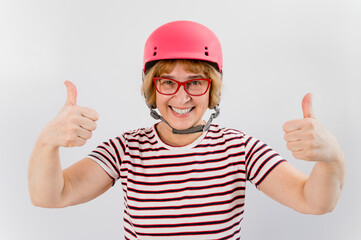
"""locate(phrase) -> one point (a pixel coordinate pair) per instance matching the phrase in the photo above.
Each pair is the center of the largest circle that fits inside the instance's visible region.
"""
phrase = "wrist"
(336, 166)
(45, 141)
(338, 156)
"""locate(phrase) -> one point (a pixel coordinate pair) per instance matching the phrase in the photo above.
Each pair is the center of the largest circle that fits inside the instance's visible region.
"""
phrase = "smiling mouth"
(181, 111)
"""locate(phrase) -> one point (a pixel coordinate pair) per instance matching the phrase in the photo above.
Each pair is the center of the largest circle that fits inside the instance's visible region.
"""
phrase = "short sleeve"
(109, 156)
(260, 160)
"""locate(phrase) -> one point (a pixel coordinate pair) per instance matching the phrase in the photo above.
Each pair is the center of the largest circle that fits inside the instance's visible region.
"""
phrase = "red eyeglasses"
(193, 87)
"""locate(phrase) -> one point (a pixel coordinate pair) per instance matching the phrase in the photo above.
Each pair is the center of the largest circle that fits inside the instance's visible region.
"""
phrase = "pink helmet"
(182, 40)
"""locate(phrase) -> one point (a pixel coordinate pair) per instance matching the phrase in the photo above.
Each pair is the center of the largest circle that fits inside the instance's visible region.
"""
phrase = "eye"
(167, 82)
(195, 82)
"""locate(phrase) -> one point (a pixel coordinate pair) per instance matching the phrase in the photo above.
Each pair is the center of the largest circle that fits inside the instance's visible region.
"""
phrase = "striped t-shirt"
(191, 192)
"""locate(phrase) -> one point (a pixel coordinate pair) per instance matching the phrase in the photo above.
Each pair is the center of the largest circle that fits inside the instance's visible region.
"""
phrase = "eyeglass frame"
(182, 84)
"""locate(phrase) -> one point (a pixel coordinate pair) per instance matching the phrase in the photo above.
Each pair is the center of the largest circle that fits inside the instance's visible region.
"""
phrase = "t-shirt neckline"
(185, 147)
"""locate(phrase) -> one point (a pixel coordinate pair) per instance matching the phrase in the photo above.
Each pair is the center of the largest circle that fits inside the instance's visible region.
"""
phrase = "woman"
(184, 178)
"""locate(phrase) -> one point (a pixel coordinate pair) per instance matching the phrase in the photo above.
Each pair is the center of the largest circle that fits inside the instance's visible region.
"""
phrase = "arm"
(324, 185)
(314, 194)
(49, 185)
(52, 187)
(308, 140)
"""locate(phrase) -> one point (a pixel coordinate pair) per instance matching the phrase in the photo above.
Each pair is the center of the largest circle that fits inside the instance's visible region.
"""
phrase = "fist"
(73, 125)
(307, 138)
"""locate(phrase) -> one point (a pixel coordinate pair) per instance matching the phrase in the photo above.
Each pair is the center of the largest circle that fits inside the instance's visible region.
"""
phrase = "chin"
(180, 126)
(181, 121)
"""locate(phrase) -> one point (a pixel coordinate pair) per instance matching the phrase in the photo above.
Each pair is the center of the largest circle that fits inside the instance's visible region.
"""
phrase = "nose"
(182, 95)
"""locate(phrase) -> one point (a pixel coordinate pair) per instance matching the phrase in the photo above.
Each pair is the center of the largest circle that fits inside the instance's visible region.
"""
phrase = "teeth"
(181, 111)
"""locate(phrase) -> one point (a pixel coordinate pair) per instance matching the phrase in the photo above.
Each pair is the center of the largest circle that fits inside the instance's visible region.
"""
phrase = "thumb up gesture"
(308, 139)
(73, 125)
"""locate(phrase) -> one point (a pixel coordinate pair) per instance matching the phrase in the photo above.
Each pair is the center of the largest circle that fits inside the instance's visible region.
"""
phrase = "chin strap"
(195, 129)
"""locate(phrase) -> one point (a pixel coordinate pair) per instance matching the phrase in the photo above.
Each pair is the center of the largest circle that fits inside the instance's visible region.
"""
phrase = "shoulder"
(218, 130)
(131, 138)
(140, 134)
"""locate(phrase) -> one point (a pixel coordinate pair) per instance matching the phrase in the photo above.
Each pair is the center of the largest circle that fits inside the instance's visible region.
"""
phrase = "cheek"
(160, 100)
(202, 103)
(205, 101)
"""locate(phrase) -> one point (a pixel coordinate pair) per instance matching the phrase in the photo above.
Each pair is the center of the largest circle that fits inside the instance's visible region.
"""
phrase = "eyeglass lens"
(193, 87)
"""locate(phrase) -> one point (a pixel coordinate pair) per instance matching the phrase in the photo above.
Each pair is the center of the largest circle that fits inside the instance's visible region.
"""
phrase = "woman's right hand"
(73, 125)
(51, 186)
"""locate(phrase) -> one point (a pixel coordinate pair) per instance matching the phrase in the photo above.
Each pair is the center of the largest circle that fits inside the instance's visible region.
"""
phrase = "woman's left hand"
(308, 139)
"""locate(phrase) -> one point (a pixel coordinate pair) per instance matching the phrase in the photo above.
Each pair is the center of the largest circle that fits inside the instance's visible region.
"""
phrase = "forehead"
(181, 66)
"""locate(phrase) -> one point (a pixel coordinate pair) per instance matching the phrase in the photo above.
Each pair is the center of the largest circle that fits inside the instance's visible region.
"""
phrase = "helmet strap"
(195, 129)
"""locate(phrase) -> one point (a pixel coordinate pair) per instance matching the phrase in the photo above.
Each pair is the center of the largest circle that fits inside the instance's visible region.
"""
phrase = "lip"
(181, 115)
(181, 107)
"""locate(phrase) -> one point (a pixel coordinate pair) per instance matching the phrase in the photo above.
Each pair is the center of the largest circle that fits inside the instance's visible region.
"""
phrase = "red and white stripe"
(191, 192)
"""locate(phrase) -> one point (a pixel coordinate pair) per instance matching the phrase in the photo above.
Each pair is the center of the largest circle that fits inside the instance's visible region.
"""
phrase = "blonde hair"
(193, 66)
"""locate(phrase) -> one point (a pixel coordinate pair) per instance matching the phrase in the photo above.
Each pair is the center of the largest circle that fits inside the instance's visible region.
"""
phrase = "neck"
(176, 140)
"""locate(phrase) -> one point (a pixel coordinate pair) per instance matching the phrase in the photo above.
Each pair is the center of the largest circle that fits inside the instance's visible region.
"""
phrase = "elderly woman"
(184, 177)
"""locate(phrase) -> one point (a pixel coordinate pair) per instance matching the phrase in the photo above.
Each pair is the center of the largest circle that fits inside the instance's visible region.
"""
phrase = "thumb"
(71, 93)
(307, 106)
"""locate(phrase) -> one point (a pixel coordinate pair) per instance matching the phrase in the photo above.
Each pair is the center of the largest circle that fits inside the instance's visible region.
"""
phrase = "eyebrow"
(189, 77)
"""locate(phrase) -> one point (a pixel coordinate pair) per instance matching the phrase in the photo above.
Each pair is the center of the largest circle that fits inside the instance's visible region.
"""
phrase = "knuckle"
(310, 123)
(311, 145)
(72, 130)
(286, 136)
(310, 155)
(286, 126)
(72, 120)
(310, 135)
(96, 116)
(81, 142)
(70, 140)
(71, 111)
(90, 134)
(314, 145)
(93, 126)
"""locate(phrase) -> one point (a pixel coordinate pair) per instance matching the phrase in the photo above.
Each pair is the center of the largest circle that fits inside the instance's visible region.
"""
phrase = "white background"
(274, 53)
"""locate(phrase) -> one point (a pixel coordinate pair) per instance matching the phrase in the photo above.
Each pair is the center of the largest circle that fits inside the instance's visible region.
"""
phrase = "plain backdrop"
(274, 53)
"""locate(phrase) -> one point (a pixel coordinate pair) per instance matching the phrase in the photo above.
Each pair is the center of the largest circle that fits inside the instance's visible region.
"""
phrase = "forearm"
(324, 185)
(45, 175)
(49, 185)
